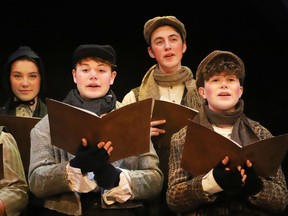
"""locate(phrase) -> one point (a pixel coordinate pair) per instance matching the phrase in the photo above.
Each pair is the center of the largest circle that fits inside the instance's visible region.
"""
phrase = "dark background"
(255, 30)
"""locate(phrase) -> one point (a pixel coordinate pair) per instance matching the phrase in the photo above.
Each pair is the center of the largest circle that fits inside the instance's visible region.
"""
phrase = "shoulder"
(42, 125)
(131, 96)
(179, 136)
(261, 131)
(118, 105)
(6, 138)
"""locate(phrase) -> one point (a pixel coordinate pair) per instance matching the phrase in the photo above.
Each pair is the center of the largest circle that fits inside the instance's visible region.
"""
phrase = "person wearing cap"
(166, 80)
(13, 184)
(24, 81)
(86, 183)
(240, 191)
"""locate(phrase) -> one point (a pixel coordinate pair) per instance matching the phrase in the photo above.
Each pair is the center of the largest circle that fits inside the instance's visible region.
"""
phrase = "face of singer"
(167, 47)
(222, 91)
(93, 78)
(25, 79)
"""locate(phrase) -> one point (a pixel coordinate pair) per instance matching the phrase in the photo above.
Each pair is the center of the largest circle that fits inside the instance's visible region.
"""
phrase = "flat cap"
(105, 52)
(159, 21)
(215, 62)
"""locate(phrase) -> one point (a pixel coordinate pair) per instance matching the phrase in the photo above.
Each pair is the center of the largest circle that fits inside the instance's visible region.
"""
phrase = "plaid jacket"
(185, 194)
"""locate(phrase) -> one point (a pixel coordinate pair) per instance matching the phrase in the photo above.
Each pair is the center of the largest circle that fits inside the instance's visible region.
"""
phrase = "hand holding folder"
(204, 148)
(128, 127)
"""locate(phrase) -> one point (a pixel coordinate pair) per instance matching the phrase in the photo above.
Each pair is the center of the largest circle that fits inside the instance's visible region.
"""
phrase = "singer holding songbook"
(224, 191)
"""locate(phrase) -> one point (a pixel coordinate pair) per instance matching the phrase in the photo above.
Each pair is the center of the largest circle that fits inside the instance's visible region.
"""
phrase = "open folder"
(176, 116)
(20, 128)
(128, 127)
(205, 148)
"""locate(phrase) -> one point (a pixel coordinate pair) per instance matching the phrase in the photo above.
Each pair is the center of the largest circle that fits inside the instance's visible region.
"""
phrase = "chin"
(93, 96)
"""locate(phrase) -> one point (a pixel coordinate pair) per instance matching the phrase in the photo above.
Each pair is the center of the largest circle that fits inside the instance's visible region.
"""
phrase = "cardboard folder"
(176, 116)
(20, 128)
(128, 127)
(205, 148)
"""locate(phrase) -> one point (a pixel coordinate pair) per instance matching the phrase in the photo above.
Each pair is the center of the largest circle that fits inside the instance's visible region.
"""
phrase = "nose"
(93, 74)
(25, 81)
(167, 45)
(223, 84)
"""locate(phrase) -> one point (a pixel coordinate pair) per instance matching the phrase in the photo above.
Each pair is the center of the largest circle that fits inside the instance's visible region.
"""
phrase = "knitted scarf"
(99, 105)
(154, 78)
(242, 131)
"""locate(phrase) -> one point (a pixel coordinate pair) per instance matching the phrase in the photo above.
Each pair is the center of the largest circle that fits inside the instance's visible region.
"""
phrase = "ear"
(241, 91)
(74, 76)
(184, 47)
(201, 91)
(150, 52)
(113, 75)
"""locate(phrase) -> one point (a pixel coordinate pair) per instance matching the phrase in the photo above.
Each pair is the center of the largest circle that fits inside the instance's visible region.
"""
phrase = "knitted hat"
(105, 52)
(159, 21)
(218, 61)
(24, 52)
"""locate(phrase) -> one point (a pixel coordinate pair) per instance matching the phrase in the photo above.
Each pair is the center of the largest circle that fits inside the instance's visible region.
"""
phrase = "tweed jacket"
(13, 187)
(48, 177)
(185, 194)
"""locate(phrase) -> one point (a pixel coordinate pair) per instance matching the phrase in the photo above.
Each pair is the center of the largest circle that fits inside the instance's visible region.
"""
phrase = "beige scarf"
(154, 78)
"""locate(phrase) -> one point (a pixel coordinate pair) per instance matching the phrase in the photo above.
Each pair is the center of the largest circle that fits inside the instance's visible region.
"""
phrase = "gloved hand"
(253, 183)
(108, 176)
(229, 180)
(90, 158)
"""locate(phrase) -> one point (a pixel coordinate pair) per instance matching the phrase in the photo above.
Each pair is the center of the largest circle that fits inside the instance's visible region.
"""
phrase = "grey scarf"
(242, 131)
(99, 105)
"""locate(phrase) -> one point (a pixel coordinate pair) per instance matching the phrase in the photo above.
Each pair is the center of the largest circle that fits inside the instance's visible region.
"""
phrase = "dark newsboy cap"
(105, 52)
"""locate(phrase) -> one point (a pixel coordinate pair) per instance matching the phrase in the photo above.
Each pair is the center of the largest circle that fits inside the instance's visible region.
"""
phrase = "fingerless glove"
(253, 183)
(90, 158)
(108, 176)
(228, 180)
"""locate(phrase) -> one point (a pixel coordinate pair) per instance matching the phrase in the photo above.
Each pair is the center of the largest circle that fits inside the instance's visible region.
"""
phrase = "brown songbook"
(205, 148)
(128, 127)
(176, 116)
(20, 128)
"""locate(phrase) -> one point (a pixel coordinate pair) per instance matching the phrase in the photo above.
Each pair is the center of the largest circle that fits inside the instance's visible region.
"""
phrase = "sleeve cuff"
(209, 184)
(78, 182)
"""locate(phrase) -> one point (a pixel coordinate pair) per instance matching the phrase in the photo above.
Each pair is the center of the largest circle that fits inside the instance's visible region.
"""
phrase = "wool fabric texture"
(215, 61)
(154, 77)
(158, 21)
(105, 52)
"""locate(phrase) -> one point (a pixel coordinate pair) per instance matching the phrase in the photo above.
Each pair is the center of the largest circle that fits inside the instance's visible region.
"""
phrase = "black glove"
(108, 176)
(229, 180)
(90, 158)
(253, 183)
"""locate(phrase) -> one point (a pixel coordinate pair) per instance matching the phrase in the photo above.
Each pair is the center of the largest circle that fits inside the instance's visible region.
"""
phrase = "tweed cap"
(158, 21)
(218, 61)
(105, 52)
